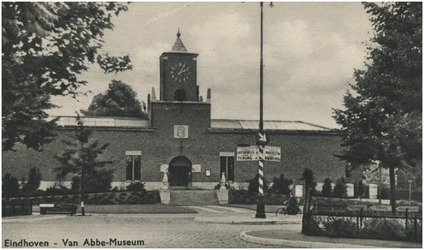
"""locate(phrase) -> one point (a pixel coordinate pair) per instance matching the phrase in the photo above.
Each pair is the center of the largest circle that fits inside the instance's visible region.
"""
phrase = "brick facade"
(306, 146)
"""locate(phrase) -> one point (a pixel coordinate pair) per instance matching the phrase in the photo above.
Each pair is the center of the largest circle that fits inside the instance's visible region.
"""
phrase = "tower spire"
(178, 45)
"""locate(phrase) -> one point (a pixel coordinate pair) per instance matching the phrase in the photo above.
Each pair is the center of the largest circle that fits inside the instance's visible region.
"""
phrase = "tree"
(81, 159)
(327, 188)
(10, 186)
(281, 185)
(45, 46)
(33, 183)
(382, 121)
(119, 100)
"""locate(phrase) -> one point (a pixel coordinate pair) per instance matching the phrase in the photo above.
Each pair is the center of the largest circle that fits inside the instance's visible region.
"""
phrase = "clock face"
(180, 72)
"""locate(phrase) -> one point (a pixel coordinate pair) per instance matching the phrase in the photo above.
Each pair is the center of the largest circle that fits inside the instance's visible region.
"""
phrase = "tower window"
(179, 95)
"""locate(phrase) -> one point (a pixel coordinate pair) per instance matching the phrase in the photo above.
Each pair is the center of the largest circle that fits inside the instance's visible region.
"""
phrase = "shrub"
(379, 228)
(254, 184)
(340, 227)
(57, 189)
(242, 197)
(136, 186)
(340, 190)
(281, 185)
(99, 181)
(246, 197)
(327, 189)
(33, 182)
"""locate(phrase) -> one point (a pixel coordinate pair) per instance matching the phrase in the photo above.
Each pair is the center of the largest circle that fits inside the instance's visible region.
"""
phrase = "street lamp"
(409, 182)
(262, 139)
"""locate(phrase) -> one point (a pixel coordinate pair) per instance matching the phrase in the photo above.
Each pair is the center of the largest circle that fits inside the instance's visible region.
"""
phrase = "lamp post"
(262, 139)
(409, 182)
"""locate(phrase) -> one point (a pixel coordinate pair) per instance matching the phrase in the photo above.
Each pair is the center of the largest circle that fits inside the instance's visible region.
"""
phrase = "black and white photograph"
(211, 124)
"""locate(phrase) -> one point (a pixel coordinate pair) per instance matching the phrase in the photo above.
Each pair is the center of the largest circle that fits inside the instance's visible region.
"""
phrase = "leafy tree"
(281, 185)
(10, 186)
(382, 121)
(45, 46)
(119, 100)
(81, 159)
(327, 188)
(33, 183)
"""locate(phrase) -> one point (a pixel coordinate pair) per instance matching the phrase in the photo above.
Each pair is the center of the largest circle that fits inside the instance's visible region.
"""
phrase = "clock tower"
(178, 74)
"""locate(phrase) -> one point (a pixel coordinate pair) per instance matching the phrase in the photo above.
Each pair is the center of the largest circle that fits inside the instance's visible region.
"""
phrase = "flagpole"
(260, 208)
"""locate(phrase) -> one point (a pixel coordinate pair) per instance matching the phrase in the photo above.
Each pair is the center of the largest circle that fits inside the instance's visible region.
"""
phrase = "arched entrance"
(179, 171)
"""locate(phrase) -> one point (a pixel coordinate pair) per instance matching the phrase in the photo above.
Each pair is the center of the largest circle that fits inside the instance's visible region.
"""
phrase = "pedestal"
(222, 196)
(165, 196)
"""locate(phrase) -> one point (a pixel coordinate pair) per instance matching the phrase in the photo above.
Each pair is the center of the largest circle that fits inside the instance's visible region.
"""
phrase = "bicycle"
(283, 210)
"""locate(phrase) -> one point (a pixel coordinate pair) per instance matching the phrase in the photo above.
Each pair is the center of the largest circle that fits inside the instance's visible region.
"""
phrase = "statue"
(165, 180)
(223, 181)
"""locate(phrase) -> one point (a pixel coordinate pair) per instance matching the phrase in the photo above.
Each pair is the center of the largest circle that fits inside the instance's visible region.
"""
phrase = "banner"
(251, 153)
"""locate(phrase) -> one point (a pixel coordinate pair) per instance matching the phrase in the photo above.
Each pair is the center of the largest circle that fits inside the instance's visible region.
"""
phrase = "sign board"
(251, 153)
(196, 168)
(262, 138)
(272, 153)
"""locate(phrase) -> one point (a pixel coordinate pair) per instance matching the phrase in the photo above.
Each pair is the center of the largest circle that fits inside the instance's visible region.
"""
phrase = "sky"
(310, 52)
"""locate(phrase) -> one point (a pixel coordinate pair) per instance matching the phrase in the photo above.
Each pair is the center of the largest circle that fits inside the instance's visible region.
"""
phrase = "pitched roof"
(216, 124)
(268, 125)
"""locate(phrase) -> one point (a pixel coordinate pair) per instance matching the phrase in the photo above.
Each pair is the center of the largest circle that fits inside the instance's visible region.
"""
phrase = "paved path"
(156, 230)
(212, 227)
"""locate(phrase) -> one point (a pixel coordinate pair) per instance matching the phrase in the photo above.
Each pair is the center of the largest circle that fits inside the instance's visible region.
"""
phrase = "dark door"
(179, 175)
(179, 171)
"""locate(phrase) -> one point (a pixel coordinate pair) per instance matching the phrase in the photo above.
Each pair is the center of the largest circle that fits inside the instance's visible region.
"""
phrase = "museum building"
(180, 138)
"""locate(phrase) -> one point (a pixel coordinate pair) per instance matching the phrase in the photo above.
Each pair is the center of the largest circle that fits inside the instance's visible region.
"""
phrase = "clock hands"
(183, 69)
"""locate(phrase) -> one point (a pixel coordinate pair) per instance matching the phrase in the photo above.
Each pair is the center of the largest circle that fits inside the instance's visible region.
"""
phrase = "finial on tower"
(179, 46)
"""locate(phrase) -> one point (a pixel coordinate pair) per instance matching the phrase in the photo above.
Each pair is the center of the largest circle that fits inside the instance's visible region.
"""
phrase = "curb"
(296, 244)
(241, 222)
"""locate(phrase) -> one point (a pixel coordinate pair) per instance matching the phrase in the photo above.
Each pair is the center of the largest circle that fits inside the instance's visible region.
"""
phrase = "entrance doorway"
(180, 171)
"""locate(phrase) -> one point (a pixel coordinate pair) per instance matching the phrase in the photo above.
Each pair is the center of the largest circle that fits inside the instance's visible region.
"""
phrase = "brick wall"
(158, 146)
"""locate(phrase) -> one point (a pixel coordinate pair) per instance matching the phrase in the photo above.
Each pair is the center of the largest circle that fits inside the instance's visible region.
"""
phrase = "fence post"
(357, 224)
(416, 228)
(30, 207)
(362, 210)
(406, 217)
(306, 212)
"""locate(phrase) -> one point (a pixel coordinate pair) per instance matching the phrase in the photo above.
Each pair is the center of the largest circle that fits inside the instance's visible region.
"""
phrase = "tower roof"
(178, 45)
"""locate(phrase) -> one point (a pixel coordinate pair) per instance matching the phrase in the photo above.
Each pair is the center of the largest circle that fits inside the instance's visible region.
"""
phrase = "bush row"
(107, 198)
(247, 197)
(372, 228)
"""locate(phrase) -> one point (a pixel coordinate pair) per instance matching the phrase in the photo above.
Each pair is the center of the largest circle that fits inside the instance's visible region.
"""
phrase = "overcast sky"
(310, 52)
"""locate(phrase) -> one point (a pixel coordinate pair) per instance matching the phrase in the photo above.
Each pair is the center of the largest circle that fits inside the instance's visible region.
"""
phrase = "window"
(133, 165)
(227, 165)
